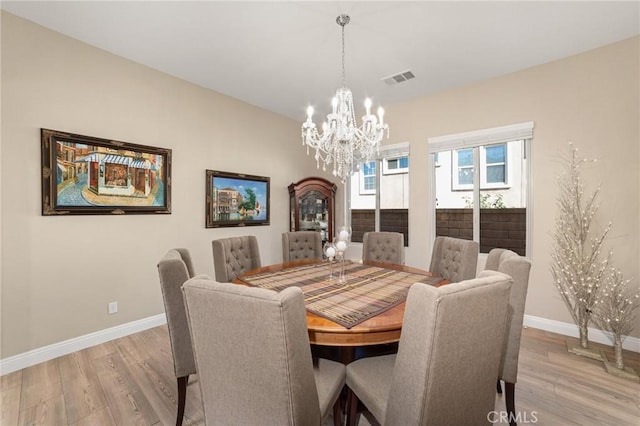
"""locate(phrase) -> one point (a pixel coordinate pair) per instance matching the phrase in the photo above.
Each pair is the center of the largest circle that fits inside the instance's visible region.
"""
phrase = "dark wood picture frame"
(236, 199)
(84, 175)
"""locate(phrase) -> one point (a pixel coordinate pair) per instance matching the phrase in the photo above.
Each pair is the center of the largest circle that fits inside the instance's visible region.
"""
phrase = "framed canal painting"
(234, 199)
(88, 175)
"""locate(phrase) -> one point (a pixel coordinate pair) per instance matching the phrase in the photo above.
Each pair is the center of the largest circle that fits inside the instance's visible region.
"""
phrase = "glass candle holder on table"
(341, 248)
(330, 252)
(344, 234)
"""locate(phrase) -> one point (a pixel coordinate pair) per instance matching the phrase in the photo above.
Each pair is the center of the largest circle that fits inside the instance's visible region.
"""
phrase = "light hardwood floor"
(130, 381)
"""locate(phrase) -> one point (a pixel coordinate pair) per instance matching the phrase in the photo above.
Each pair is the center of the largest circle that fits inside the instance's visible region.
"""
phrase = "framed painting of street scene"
(89, 175)
(234, 199)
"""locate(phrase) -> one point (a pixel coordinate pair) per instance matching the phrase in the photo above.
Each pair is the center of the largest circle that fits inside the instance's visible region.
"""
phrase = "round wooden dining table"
(380, 329)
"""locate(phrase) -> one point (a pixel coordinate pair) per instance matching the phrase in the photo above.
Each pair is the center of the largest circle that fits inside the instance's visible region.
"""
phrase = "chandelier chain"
(344, 73)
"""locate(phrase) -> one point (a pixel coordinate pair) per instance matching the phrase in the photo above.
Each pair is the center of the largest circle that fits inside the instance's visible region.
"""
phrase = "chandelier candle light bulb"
(309, 115)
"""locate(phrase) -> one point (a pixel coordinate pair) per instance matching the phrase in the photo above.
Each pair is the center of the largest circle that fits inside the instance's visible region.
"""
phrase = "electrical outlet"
(113, 307)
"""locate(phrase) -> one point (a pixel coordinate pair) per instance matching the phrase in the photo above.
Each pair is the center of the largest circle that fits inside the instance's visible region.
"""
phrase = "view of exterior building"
(394, 196)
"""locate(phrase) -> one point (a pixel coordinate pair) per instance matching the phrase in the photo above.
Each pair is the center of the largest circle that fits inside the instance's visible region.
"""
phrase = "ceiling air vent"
(399, 78)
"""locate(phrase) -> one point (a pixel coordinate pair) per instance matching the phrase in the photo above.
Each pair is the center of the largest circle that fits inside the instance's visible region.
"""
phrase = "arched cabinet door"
(311, 203)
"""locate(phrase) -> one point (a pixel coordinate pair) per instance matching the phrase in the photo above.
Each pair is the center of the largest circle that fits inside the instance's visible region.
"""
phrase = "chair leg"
(352, 408)
(182, 396)
(337, 413)
(509, 390)
(498, 387)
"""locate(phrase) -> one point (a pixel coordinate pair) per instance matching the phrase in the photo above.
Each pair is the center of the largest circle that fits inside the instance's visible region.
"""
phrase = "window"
(464, 160)
(368, 178)
(379, 194)
(395, 165)
(493, 163)
(489, 206)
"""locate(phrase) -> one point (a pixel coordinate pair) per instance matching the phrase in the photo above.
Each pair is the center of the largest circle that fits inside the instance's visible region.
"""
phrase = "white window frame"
(483, 166)
(457, 186)
(491, 136)
(363, 190)
(455, 171)
(385, 165)
(398, 150)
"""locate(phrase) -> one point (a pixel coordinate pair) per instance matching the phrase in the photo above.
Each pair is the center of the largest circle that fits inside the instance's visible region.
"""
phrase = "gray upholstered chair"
(301, 245)
(454, 259)
(234, 256)
(263, 373)
(518, 268)
(174, 269)
(447, 362)
(385, 247)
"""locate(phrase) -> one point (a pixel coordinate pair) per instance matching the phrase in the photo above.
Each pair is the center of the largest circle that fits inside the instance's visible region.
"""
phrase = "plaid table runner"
(369, 290)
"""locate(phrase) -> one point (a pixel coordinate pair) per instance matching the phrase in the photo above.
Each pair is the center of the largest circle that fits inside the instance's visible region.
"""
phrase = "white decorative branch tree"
(615, 310)
(576, 266)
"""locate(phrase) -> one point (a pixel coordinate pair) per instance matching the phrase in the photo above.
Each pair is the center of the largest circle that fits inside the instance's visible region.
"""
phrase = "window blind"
(475, 138)
(395, 150)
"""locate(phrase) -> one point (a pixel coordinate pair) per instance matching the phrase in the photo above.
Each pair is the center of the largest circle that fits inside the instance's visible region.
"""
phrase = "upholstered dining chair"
(174, 269)
(448, 358)
(254, 359)
(454, 259)
(234, 256)
(385, 247)
(301, 245)
(518, 268)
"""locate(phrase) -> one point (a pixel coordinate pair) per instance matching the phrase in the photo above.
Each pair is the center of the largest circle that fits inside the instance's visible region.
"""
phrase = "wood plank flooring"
(130, 381)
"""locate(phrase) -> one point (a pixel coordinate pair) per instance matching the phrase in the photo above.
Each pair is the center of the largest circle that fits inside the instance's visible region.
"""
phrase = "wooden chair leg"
(352, 408)
(182, 396)
(509, 390)
(337, 413)
(498, 387)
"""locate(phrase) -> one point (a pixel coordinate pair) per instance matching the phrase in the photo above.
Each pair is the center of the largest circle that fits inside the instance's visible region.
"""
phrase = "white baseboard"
(36, 356)
(568, 329)
(46, 353)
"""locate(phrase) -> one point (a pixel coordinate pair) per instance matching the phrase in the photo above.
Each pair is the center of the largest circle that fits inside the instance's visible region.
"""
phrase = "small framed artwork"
(234, 199)
(87, 175)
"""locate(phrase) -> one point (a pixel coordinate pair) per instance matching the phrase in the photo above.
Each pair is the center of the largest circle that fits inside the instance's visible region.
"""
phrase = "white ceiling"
(283, 56)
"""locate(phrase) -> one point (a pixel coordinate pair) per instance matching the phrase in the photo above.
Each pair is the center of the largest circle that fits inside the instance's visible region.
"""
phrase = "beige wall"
(59, 273)
(591, 99)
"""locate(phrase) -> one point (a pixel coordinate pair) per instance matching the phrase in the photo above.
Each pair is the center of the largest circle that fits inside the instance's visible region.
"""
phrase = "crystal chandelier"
(342, 142)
